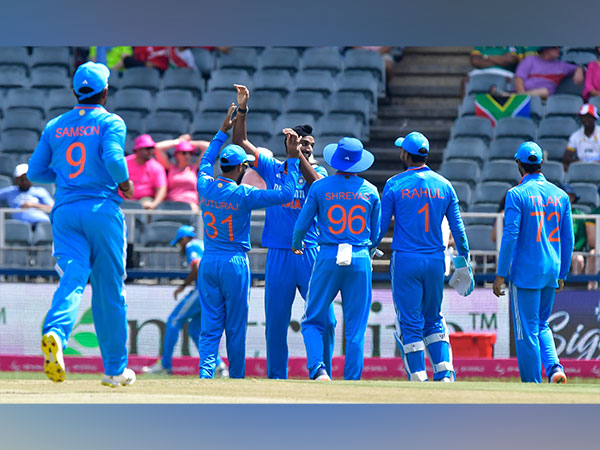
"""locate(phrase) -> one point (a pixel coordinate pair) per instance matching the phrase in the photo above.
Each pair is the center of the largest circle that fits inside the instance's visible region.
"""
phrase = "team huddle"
(321, 233)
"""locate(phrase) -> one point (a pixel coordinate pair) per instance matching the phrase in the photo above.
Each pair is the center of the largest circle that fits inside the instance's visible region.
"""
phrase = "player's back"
(76, 139)
(420, 199)
(346, 205)
(543, 209)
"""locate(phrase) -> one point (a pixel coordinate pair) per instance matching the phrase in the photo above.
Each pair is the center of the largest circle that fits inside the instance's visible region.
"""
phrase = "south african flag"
(496, 108)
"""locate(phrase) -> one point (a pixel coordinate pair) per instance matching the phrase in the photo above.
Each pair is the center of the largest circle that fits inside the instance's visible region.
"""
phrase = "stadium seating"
(588, 194)
(273, 80)
(224, 79)
(183, 79)
(491, 192)
(16, 233)
(567, 86)
(281, 58)
(517, 127)
(206, 125)
(595, 101)
(505, 148)
(269, 102)
(472, 148)
(340, 125)
(42, 235)
(24, 98)
(31, 119)
(463, 192)
(49, 78)
(158, 234)
(245, 58)
(204, 60)
(554, 172)
(14, 57)
(363, 60)
(178, 101)
(52, 56)
(315, 81)
(479, 237)
(557, 127)
(12, 77)
(306, 102)
(187, 219)
(134, 120)
(583, 172)
(166, 122)
(536, 109)
(464, 170)
(141, 78)
(18, 141)
(563, 105)
(349, 103)
(6, 181)
(7, 165)
(501, 171)
(481, 83)
(217, 101)
(581, 58)
(59, 102)
(481, 208)
(467, 106)
(322, 58)
(473, 127)
(554, 148)
(132, 100)
(361, 82)
(260, 124)
(256, 229)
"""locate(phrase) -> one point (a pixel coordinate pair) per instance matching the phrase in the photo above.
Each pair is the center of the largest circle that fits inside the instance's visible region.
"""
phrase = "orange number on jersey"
(347, 219)
(210, 224)
(229, 221)
(551, 236)
(80, 162)
(425, 209)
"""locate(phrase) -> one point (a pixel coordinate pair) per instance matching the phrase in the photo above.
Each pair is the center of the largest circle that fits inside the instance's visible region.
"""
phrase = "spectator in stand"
(584, 144)
(580, 242)
(590, 229)
(147, 174)
(110, 56)
(182, 57)
(152, 57)
(592, 79)
(35, 201)
(182, 176)
(496, 60)
(540, 75)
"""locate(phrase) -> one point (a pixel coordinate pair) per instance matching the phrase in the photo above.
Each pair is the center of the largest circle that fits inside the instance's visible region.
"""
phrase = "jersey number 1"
(80, 163)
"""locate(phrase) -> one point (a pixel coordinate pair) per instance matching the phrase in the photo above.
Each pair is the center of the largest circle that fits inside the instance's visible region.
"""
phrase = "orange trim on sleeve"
(256, 155)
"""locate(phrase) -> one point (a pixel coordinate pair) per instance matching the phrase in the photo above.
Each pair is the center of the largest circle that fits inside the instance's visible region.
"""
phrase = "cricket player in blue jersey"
(348, 213)
(419, 198)
(187, 310)
(224, 271)
(535, 257)
(285, 272)
(82, 152)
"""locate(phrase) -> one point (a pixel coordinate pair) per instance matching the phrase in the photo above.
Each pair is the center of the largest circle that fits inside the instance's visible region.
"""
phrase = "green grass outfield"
(28, 387)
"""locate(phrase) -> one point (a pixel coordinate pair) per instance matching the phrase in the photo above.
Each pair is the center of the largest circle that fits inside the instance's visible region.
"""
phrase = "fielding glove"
(462, 278)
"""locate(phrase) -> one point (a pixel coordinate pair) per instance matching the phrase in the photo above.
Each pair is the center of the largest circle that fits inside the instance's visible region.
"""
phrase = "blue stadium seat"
(557, 127)
(580, 58)
(24, 98)
(245, 58)
(499, 170)
(281, 58)
(269, 102)
(134, 121)
(178, 101)
(553, 148)
(554, 172)
(567, 86)
(114, 83)
(563, 105)
(504, 148)
(14, 56)
(186, 217)
(273, 80)
(217, 101)
(59, 102)
(49, 77)
(473, 127)
(206, 125)
(290, 120)
(588, 194)
(471, 148)
(364, 60)
(584, 172)
(7, 165)
(481, 208)
(141, 78)
(481, 83)
(467, 107)
(259, 124)
(491, 192)
(17, 232)
(31, 119)
(6, 180)
(132, 100)
(516, 127)
(160, 234)
(204, 60)
(350, 103)
(479, 237)
(13, 77)
(463, 192)
(256, 229)
(166, 122)
(536, 109)
(361, 82)
(42, 235)
(322, 58)
(306, 102)
(224, 79)
(464, 170)
(258, 260)
(315, 81)
(330, 127)
(18, 141)
(52, 56)
(184, 79)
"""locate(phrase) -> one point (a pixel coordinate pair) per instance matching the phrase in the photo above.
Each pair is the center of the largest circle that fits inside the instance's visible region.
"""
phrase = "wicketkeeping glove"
(462, 278)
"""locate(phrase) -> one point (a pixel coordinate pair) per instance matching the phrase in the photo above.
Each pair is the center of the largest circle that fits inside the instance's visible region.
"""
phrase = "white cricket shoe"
(54, 363)
(221, 371)
(125, 379)
(558, 377)
(322, 375)
(157, 369)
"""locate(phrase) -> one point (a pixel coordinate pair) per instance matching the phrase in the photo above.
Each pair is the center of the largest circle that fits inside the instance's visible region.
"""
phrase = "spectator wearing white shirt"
(584, 144)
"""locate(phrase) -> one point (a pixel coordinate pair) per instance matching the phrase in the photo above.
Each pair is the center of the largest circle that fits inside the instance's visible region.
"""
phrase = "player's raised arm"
(240, 136)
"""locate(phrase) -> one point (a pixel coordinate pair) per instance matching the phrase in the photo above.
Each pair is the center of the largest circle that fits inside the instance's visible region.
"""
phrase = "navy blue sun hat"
(414, 143)
(348, 155)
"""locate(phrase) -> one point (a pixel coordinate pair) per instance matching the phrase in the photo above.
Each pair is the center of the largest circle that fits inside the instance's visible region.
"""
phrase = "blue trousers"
(354, 283)
(186, 309)
(224, 295)
(531, 309)
(418, 289)
(284, 273)
(90, 241)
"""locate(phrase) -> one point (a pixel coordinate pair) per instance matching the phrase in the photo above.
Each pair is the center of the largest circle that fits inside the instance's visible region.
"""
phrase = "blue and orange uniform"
(348, 212)
(224, 270)
(536, 250)
(82, 151)
(285, 272)
(418, 199)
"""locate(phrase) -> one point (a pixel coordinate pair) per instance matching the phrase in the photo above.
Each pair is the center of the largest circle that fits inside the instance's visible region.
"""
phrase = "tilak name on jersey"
(423, 192)
(219, 205)
(537, 199)
(77, 131)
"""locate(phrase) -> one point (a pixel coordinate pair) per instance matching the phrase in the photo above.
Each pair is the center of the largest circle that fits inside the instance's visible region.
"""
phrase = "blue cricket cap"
(92, 75)
(183, 231)
(232, 155)
(529, 153)
(413, 142)
(348, 155)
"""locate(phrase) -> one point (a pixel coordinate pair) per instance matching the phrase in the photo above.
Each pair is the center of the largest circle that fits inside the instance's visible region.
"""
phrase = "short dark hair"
(227, 169)
(93, 100)
(531, 168)
(419, 158)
